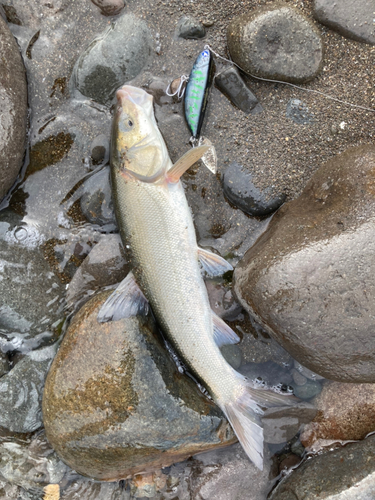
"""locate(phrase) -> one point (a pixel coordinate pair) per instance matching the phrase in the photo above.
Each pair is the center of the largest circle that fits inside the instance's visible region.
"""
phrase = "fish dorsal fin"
(127, 300)
(223, 334)
(213, 264)
(185, 162)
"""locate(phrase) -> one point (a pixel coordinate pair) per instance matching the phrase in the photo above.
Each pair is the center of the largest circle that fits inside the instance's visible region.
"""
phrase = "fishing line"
(327, 96)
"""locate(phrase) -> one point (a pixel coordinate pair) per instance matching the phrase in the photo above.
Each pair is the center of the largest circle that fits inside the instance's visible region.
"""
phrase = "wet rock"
(309, 279)
(233, 354)
(297, 111)
(305, 372)
(26, 324)
(351, 20)
(346, 473)
(109, 7)
(345, 412)
(277, 42)
(100, 150)
(232, 85)
(222, 301)
(83, 489)
(4, 364)
(21, 391)
(30, 462)
(307, 390)
(129, 392)
(13, 97)
(96, 202)
(113, 58)
(104, 266)
(270, 373)
(282, 424)
(240, 190)
(188, 27)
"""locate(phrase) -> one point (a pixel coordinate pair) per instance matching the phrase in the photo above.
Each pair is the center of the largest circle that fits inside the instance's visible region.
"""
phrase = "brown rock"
(115, 404)
(345, 412)
(310, 278)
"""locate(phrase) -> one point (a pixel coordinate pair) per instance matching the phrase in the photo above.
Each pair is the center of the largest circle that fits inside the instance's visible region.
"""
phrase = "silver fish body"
(156, 224)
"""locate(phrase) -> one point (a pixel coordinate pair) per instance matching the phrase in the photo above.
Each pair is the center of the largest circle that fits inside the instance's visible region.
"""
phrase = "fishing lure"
(197, 91)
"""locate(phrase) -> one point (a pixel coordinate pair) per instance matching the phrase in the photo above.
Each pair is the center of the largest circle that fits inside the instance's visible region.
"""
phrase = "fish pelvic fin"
(127, 300)
(213, 264)
(244, 414)
(223, 334)
(185, 162)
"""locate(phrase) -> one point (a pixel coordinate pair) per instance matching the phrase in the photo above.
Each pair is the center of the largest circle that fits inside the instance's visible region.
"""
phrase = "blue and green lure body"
(197, 90)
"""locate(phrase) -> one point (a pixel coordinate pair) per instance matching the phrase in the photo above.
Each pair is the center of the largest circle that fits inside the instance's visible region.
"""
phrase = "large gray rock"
(352, 19)
(276, 41)
(27, 321)
(113, 58)
(115, 404)
(310, 278)
(347, 473)
(21, 391)
(13, 110)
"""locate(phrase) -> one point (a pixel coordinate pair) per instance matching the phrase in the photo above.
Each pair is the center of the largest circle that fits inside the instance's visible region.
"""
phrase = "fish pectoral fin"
(213, 264)
(185, 162)
(209, 158)
(127, 300)
(223, 334)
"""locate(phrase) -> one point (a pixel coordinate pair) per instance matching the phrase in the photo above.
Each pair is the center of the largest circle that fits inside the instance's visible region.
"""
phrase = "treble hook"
(181, 88)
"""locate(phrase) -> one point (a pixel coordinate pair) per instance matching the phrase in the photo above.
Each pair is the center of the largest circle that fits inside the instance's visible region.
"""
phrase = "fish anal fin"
(127, 300)
(185, 162)
(223, 334)
(213, 264)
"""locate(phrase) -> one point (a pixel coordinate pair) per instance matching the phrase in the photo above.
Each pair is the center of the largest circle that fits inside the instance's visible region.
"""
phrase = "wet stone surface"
(353, 20)
(345, 412)
(104, 266)
(27, 324)
(127, 392)
(188, 27)
(96, 201)
(21, 391)
(276, 41)
(13, 98)
(346, 473)
(239, 188)
(109, 7)
(114, 57)
(229, 81)
(309, 278)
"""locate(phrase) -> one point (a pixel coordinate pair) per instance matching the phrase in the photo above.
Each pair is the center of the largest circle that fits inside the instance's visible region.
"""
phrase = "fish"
(156, 226)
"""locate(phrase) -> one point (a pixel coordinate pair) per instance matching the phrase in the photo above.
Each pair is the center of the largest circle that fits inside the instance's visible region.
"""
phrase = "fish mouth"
(137, 96)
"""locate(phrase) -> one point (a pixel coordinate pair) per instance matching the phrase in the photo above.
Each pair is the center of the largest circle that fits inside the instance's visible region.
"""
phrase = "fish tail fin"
(244, 414)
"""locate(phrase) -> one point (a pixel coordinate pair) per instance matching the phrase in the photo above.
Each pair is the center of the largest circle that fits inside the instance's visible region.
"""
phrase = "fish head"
(137, 145)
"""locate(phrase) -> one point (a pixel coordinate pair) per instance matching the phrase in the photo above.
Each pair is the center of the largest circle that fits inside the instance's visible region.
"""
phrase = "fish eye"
(130, 123)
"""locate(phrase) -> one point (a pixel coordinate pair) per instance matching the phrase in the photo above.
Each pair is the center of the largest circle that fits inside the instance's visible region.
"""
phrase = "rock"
(96, 202)
(188, 27)
(100, 150)
(113, 58)
(345, 412)
(346, 473)
(26, 324)
(105, 265)
(83, 489)
(232, 85)
(305, 372)
(309, 279)
(307, 390)
(110, 7)
(297, 111)
(222, 301)
(30, 462)
(21, 391)
(4, 364)
(232, 353)
(277, 42)
(13, 97)
(127, 391)
(240, 190)
(351, 20)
